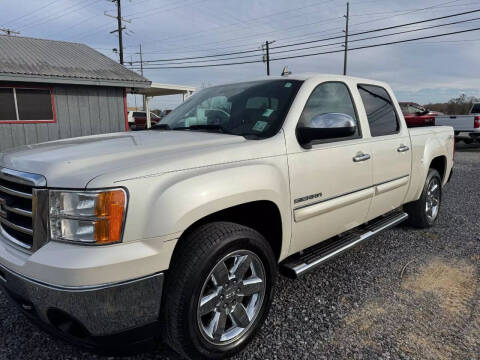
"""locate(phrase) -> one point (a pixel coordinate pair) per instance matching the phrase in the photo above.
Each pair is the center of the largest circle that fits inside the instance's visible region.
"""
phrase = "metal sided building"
(51, 90)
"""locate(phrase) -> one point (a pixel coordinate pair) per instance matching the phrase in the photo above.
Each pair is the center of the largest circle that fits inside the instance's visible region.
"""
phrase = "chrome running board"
(299, 264)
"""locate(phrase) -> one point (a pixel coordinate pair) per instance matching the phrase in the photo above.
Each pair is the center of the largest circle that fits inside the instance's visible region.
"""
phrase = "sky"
(425, 71)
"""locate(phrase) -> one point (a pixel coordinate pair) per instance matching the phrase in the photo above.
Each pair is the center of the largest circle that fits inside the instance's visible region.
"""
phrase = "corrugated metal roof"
(40, 60)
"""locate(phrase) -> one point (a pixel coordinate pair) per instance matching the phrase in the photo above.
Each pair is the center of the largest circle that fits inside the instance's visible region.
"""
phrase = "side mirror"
(326, 126)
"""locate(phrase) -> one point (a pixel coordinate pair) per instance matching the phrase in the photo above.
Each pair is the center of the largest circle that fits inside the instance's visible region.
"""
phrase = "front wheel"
(218, 290)
(424, 212)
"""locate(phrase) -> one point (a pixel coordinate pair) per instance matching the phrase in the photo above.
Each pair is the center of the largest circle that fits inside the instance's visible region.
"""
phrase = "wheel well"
(262, 216)
(439, 163)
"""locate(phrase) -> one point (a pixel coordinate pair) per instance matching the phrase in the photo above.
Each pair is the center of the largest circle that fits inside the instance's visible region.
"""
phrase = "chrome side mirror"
(326, 126)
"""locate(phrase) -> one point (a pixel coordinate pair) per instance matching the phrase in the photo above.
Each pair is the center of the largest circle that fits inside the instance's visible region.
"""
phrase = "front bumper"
(87, 314)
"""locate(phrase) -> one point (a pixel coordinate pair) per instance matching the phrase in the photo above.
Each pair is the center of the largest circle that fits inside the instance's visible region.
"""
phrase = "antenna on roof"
(286, 72)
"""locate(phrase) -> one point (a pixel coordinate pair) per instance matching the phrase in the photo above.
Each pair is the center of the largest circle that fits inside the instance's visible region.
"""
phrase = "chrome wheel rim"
(231, 297)
(432, 203)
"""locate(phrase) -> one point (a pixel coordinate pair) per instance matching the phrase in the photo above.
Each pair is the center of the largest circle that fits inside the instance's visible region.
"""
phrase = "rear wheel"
(218, 290)
(424, 212)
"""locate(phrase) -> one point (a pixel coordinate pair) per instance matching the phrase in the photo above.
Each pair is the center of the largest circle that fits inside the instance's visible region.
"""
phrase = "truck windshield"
(251, 109)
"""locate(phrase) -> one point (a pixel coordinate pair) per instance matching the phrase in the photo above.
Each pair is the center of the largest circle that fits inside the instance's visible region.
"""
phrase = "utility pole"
(141, 60)
(120, 39)
(141, 71)
(119, 28)
(346, 40)
(9, 32)
(266, 57)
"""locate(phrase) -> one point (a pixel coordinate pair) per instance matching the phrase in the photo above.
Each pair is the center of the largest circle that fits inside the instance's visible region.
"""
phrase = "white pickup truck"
(179, 231)
(466, 127)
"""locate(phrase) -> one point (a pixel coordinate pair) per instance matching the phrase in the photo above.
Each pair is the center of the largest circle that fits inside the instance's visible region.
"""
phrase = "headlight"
(89, 217)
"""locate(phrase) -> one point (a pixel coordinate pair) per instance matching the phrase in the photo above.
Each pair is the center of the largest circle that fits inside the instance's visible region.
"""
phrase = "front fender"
(168, 204)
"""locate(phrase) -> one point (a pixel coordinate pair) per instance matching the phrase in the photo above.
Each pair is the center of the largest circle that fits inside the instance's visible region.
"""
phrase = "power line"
(196, 34)
(311, 41)
(101, 28)
(56, 14)
(249, 37)
(383, 29)
(316, 54)
(240, 22)
(33, 12)
(326, 45)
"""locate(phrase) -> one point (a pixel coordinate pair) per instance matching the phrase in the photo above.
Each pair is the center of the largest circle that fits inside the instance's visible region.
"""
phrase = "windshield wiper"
(203, 127)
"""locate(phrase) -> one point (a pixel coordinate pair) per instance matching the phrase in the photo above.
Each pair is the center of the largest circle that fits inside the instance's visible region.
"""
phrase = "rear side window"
(476, 109)
(381, 114)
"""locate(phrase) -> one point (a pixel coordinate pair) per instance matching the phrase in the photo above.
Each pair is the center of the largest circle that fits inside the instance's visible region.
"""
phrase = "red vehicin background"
(416, 115)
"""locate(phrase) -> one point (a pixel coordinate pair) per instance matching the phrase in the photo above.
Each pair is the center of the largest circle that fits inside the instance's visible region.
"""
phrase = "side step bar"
(317, 255)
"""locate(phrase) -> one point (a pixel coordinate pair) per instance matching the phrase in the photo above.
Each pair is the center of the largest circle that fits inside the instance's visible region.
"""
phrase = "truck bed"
(460, 123)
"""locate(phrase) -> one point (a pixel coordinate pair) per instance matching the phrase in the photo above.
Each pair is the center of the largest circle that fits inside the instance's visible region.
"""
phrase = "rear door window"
(381, 114)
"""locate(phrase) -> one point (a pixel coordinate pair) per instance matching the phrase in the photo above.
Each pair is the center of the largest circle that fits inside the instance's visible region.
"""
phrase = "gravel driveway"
(407, 294)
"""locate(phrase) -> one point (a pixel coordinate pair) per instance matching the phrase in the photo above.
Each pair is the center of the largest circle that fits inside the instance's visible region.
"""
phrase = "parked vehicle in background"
(467, 127)
(416, 115)
(179, 230)
(137, 119)
(475, 108)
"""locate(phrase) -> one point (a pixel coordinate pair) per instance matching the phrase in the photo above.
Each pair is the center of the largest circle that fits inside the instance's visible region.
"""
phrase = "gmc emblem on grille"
(3, 211)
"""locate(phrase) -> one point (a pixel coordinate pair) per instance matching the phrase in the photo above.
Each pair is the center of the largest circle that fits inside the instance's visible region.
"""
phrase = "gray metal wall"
(81, 110)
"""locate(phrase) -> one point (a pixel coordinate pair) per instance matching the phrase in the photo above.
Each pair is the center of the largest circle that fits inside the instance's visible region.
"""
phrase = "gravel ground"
(407, 294)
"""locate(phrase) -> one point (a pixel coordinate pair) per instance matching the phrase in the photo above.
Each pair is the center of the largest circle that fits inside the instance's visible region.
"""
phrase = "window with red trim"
(26, 104)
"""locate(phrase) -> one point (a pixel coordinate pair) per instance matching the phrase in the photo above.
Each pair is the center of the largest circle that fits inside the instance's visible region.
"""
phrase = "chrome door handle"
(403, 148)
(361, 157)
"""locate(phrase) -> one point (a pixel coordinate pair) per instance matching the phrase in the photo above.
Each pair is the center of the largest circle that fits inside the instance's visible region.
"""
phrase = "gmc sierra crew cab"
(178, 232)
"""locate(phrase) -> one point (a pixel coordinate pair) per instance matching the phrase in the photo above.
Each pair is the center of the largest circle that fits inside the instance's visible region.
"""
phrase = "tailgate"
(458, 122)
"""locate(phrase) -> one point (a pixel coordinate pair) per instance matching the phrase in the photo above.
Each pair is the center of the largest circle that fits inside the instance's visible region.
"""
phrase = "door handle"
(361, 157)
(403, 148)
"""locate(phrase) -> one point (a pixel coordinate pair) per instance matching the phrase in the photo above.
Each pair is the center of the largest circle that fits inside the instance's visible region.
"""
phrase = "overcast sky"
(425, 71)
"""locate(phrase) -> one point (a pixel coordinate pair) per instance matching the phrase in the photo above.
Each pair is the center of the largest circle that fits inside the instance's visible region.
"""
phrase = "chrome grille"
(19, 216)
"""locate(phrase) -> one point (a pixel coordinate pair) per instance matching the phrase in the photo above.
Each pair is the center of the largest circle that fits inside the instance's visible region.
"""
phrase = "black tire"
(192, 263)
(417, 213)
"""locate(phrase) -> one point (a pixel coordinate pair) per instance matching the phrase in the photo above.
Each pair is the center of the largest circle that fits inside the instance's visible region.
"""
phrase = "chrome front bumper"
(95, 311)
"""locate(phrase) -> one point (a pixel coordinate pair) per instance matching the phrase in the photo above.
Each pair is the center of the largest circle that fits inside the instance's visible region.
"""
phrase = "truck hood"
(73, 163)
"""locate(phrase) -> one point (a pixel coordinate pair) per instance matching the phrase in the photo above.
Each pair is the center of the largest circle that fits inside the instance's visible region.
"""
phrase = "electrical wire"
(382, 29)
(313, 54)
(311, 41)
(12, 22)
(325, 45)
(57, 14)
(249, 37)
